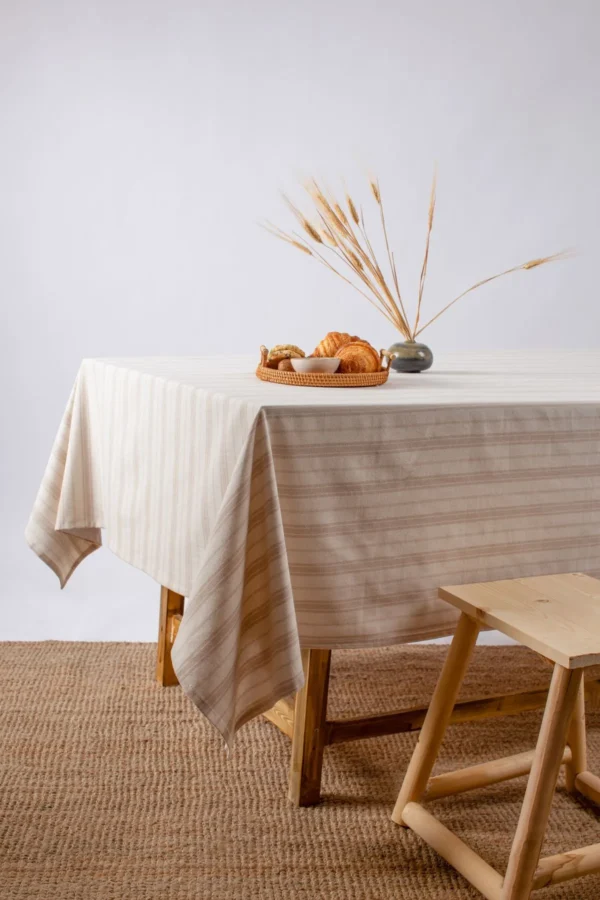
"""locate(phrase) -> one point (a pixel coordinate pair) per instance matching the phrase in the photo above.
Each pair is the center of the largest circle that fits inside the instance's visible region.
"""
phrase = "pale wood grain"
(493, 772)
(282, 715)
(566, 866)
(556, 615)
(527, 843)
(588, 784)
(454, 851)
(438, 716)
(576, 740)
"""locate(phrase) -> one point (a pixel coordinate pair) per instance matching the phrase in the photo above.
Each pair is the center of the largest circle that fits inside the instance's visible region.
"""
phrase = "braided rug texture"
(113, 788)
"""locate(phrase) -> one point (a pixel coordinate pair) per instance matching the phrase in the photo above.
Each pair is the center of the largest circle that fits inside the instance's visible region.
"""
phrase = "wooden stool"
(558, 616)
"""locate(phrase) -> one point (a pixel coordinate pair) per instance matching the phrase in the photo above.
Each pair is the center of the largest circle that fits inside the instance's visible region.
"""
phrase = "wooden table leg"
(310, 729)
(171, 605)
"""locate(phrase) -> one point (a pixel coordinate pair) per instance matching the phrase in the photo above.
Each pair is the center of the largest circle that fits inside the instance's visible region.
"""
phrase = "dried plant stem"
(344, 232)
(298, 239)
(278, 233)
(340, 228)
(391, 257)
(343, 238)
(402, 323)
(426, 257)
(308, 226)
(351, 260)
(352, 208)
(565, 254)
(376, 274)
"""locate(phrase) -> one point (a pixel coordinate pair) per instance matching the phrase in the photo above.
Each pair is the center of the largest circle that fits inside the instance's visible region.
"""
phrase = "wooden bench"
(558, 616)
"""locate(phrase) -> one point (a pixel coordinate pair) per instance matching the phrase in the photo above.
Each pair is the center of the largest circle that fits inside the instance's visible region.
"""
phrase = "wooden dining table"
(298, 521)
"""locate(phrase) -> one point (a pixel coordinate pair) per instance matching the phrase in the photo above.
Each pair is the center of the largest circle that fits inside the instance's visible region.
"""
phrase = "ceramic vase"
(410, 356)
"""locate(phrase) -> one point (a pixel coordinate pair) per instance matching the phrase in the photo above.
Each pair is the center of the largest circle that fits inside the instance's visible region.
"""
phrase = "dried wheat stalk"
(565, 254)
(426, 257)
(340, 239)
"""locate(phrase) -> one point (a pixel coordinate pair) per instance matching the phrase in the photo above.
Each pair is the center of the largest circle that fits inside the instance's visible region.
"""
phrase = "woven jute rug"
(112, 788)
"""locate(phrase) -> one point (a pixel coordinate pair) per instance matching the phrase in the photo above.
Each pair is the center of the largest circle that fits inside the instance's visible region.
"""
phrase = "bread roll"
(283, 351)
(358, 356)
(332, 342)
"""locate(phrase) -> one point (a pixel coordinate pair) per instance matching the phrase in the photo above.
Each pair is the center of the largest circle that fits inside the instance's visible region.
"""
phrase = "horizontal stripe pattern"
(294, 517)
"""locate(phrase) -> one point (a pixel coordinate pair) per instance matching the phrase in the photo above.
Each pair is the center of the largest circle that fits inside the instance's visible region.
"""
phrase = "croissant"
(358, 356)
(332, 342)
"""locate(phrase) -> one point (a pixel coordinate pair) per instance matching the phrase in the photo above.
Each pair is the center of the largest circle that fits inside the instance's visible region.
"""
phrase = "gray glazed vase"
(410, 356)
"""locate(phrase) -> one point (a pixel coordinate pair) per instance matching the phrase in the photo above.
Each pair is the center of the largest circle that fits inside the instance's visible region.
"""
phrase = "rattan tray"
(324, 379)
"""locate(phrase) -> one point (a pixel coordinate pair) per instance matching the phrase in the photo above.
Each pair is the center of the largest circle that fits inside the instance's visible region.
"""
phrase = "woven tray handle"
(385, 354)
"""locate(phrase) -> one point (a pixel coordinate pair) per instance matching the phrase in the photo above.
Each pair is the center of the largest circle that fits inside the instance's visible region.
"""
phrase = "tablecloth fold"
(241, 619)
(64, 526)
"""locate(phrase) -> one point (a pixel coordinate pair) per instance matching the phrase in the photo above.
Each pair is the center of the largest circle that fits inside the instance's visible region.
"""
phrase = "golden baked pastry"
(285, 365)
(332, 342)
(283, 351)
(358, 356)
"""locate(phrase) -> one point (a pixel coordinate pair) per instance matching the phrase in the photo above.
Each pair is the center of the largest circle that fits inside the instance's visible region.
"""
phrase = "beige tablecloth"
(296, 517)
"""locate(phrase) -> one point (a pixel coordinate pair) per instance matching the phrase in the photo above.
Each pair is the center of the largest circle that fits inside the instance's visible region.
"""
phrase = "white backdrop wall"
(142, 140)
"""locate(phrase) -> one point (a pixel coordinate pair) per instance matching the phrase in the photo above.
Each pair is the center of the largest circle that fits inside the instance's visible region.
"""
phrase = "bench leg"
(310, 729)
(577, 741)
(527, 843)
(171, 605)
(438, 715)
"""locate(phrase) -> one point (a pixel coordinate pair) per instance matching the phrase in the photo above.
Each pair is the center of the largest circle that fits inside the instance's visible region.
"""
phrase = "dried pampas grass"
(343, 246)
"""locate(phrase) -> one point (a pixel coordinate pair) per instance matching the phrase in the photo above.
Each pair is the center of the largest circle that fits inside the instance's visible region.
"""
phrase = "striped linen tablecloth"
(302, 517)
